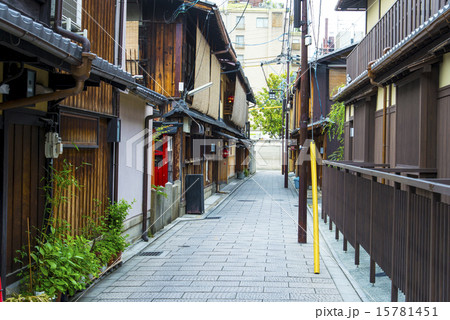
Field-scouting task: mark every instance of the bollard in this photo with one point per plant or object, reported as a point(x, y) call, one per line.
point(315, 207)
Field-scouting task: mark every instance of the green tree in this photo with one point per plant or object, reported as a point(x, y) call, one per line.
point(267, 115)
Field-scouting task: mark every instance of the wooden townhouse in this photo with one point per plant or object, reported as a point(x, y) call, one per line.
point(182, 47)
point(62, 92)
point(328, 73)
point(391, 194)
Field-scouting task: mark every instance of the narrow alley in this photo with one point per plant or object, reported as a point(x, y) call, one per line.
point(244, 250)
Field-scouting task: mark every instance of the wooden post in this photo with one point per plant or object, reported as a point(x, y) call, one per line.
point(358, 175)
point(394, 288)
point(372, 262)
point(410, 190)
point(304, 91)
point(435, 198)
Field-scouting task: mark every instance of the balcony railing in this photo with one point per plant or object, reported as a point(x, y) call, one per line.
point(401, 19)
point(403, 223)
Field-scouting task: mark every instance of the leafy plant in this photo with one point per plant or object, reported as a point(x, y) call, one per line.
point(246, 172)
point(335, 129)
point(28, 298)
point(159, 190)
point(61, 263)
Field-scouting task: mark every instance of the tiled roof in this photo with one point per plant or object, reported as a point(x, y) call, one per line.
point(63, 48)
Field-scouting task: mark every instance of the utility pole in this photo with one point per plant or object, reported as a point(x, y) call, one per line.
point(304, 103)
point(286, 103)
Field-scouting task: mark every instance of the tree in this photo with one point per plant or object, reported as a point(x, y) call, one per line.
point(267, 116)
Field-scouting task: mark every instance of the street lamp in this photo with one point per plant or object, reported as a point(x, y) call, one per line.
point(272, 95)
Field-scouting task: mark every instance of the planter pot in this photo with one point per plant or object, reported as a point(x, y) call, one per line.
point(240, 175)
point(115, 259)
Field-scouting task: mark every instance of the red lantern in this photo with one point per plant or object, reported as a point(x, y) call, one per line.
point(225, 153)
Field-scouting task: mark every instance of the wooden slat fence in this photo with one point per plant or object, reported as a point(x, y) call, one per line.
point(402, 224)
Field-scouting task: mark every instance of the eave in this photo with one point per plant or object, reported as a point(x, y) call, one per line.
point(428, 38)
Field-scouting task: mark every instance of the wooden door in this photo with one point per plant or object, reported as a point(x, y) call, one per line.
point(23, 182)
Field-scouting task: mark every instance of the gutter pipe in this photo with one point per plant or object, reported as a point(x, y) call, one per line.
point(66, 33)
point(80, 73)
point(145, 182)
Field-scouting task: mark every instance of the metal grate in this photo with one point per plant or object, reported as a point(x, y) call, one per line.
point(212, 218)
point(150, 253)
point(246, 200)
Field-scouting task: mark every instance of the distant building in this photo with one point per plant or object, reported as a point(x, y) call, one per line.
point(257, 37)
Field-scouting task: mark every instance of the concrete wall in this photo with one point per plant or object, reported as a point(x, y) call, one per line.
point(133, 111)
point(268, 155)
point(266, 49)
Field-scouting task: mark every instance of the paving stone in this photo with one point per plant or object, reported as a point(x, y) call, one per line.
point(113, 295)
point(171, 288)
point(195, 278)
point(250, 254)
point(211, 295)
point(238, 289)
point(262, 295)
point(137, 289)
point(216, 283)
point(156, 295)
point(127, 283)
point(263, 284)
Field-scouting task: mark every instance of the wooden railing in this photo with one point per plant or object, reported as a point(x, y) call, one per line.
point(403, 225)
point(401, 19)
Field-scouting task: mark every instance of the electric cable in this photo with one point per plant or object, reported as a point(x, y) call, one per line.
point(239, 20)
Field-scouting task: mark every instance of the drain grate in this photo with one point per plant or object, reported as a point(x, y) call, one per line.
point(212, 218)
point(241, 200)
point(150, 254)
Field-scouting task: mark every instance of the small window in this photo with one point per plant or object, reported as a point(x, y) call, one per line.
point(296, 44)
point(240, 22)
point(79, 131)
point(239, 41)
point(262, 22)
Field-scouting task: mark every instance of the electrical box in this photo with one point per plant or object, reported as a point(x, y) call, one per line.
point(113, 131)
point(23, 86)
point(195, 196)
point(53, 145)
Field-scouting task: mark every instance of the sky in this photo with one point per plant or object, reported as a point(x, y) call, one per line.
point(337, 21)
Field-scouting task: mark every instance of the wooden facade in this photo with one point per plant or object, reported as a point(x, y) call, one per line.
point(327, 75)
point(82, 121)
point(171, 62)
point(391, 195)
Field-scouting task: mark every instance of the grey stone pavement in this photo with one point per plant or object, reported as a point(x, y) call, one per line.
point(244, 250)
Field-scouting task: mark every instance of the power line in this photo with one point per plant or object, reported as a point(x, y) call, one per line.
point(237, 23)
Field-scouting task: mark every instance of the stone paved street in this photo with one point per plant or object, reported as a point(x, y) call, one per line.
point(244, 250)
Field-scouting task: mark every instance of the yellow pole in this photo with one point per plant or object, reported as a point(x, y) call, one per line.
point(315, 207)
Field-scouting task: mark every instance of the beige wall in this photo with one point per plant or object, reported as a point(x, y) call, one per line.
point(372, 15)
point(444, 71)
point(386, 5)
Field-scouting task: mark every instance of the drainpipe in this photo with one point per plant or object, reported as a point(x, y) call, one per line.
point(66, 33)
point(145, 186)
point(80, 74)
point(371, 76)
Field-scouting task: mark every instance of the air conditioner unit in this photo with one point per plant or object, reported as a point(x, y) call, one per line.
point(71, 15)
